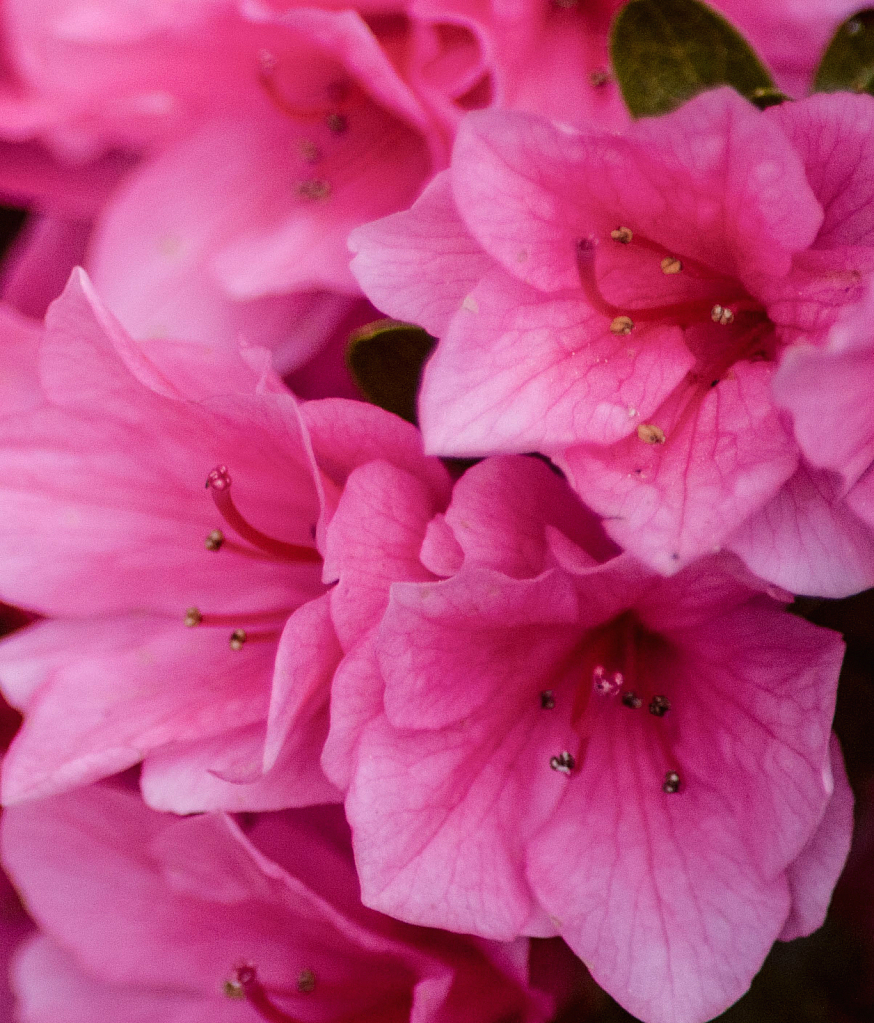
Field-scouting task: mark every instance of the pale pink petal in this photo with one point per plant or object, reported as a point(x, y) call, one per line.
point(808, 539)
point(419, 265)
point(179, 684)
point(726, 453)
point(519, 371)
point(813, 876)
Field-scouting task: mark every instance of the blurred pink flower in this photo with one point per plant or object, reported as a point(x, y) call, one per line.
point(203, 920)
point(108, 531)
point(553, 739)
point(620, 303)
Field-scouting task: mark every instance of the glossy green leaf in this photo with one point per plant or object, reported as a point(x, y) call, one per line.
point(848, 62)
point(386, 358)
point(664, 52)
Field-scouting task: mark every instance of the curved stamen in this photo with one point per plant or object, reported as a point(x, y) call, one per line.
point(219, 483)
point(246, 982)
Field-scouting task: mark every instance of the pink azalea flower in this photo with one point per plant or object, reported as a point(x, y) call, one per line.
point(553, 739)
point(188, 921)
point(109, 533)
point(620, 303)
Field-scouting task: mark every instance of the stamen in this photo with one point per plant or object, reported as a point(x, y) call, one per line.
point(314, 189)
point(193, 617)
point(338, 124)
point(631, 700)
point(659, 706)
point(547, 699)
point(623, 235)
point(245, 984)
point(599, 78)
point(721, 315)
point(622, 325)
point(650, 434)
point(237, 639)
point(219, 483)
point(671, 265)
point(672, 783)
point(607, 685)
point(564, 763)
point(309, 151)
point(306, 981)
point(215, 540)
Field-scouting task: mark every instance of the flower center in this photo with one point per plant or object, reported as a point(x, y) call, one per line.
point(735, 326)
point(617, 664)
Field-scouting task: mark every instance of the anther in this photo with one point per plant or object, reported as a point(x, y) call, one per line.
point(631, 700)
point(671, 265)
point(659, 706)
point(215, 540)
point(622, 235)
point(237, 639)
point(309, 151)
point(547, 699)
point(599, 78)
point(622, 325)
point(193, 617)
point(671, 784)
point(306, 981)
point(338, 124)
point(607, 685)
point(233, 989)
point(314, 189)
point(650, 434)
point(722, 315)
point(564, 763)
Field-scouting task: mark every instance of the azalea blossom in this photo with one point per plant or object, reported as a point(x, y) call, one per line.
point(620, 304)
point(186, 627)
point(547, 737)
point(143, 915)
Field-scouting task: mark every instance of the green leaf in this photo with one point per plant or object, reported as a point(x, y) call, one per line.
point(848, 62)
point(664, 52)
point(386, 358)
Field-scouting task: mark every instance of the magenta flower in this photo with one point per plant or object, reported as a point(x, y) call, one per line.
point(620, 304)
point(149, 917)
point(552, 739)
point(188, 628)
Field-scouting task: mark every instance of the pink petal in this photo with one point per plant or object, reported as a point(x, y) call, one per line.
point(722, 460)
point(519, 371)
point(807, 539)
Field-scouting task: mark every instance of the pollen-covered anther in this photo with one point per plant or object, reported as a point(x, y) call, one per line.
point(564, 763)
point(622, 325)
point(631, 700)
point(672, 783)
point(215, 540)
point(650, 434)
point(659, 706)
point(607, 684)
point(671, 265)
point(233, 989)
point(306, 981)
point(314, 189)
point(237, 639)
point(722, 315)
point(193, 617)
point(547, 699)
point(623, 235)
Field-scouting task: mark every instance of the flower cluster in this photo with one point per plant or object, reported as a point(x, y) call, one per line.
point(320, 717)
